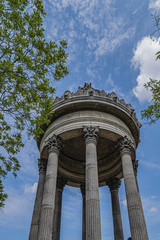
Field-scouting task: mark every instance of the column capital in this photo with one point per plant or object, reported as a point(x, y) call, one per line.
point(125, 145)
point(90, 134)
point(135, 166)
point(60, 183)
point(54, 144)
point(114, 183)
point(82, 188)
point(42, 164)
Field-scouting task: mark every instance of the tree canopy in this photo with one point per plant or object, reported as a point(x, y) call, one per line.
point(152, 113)
point(28, 65)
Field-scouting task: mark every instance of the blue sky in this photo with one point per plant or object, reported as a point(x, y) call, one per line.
point(108, 45)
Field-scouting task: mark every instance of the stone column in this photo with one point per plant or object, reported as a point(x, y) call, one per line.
point(84, 212)
point(93, 223)
point(114, 184)
point(48, 203)
point(135, 210)
point(135, 168)
point(33, 235)
point(57, 210)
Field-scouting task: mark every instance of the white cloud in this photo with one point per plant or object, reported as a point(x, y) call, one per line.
point(153, 209)
point(108, 43)
point(72, 206)
point(124, 203)
point(18, 209)
point(31, 189)
point(155, 166)
point(112, 87)
point(91, 26)
point(154, 4)
point(150, 204)
point(144, 60)
point(28, 158)
point(73, 87)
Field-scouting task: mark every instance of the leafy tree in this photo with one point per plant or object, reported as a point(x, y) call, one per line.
point(152, 113)
point(28, 62)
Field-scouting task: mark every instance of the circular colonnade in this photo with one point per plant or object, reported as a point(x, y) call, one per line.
point(91, 141)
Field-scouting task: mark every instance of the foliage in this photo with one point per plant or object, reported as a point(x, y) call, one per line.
point(152, 113)
point(157, 31)
point(27, 64)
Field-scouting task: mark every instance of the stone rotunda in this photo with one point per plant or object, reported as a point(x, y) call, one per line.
point(90, 142)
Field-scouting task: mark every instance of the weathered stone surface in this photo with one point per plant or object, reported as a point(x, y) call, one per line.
point(82, 187)
point(114, 184)
point(135, 210)
point(71, 159)
point(135, 166)
point(87, 90)
point(93, 222)
point(48, 202)
point(42, 163)
point(90, 162)
point(57, 210)
point(90, 133)
point(54, 143)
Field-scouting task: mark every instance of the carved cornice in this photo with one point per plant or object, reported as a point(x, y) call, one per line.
point(54, 144)
point(88, 91)
point(90, 133)
point(125, 145)
point(114, 183)
point(42, 165)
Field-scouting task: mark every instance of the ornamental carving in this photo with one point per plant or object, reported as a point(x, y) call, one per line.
point(135, 166)
point(54, 143)
point(88, 91)
point(125, 144)
point(90, 132)
point(114, 183)
point(60, 183)
point(42, 164)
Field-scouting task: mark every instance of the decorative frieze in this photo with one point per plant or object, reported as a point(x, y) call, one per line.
point(89, 91)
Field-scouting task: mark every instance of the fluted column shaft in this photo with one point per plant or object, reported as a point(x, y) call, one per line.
point(84, 212)
point(93, 223)
point(135, 167)
point(38, 200)
point(135, 210)
point(48, 202)
point(57, 211)
point(116, 212)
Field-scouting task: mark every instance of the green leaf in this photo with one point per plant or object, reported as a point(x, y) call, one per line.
point(28, 66)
